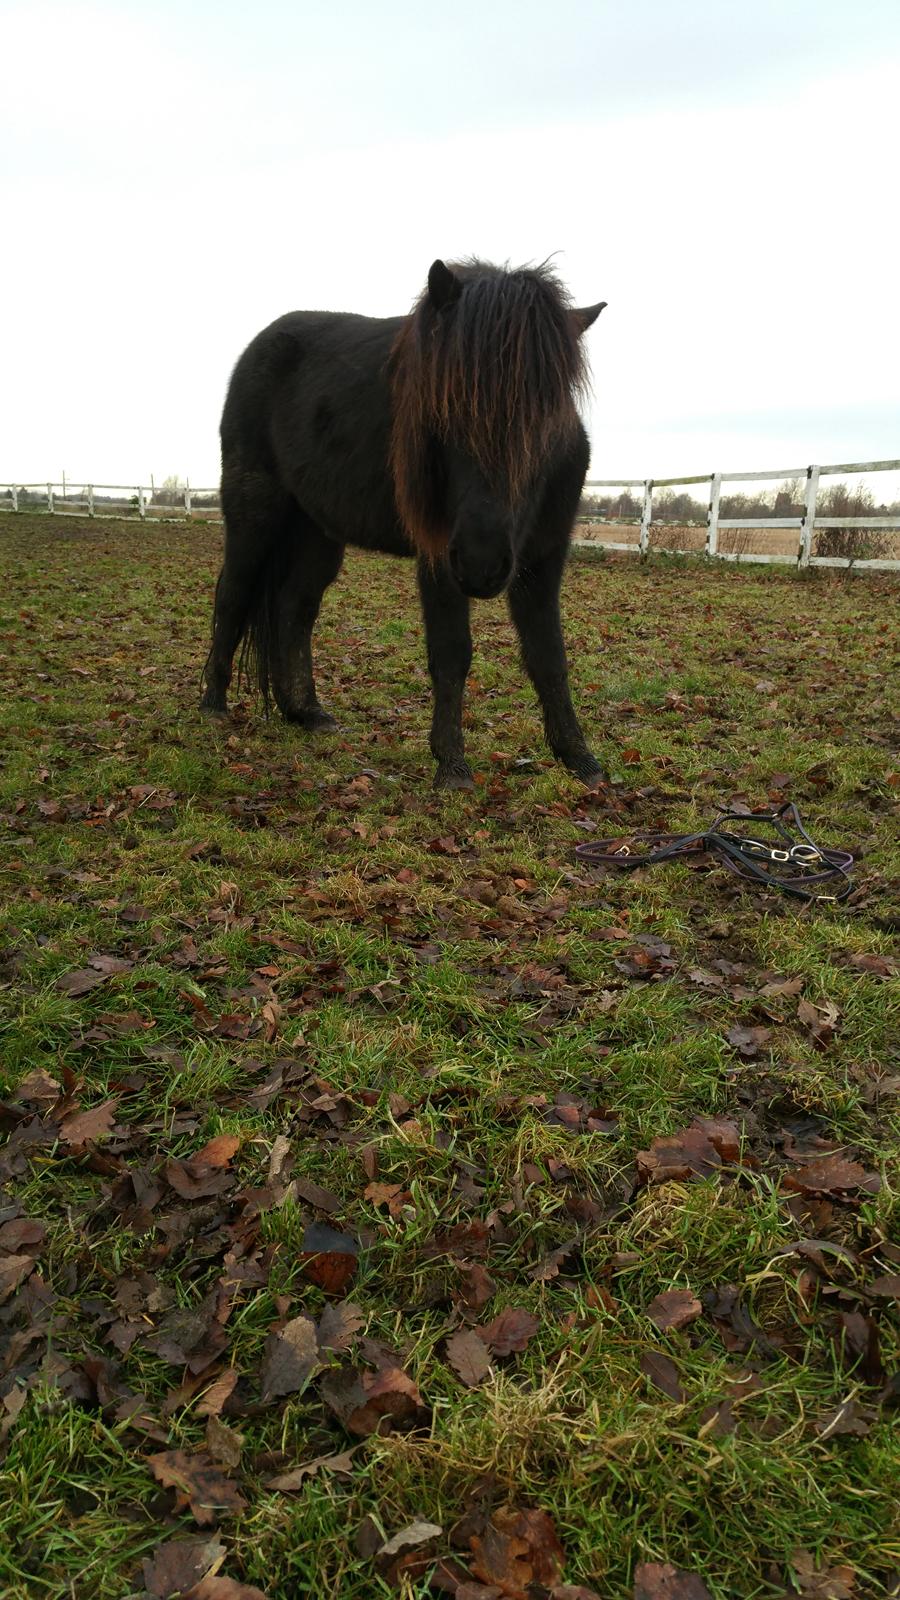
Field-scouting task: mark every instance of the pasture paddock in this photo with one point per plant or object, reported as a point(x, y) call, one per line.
point(476, 1039)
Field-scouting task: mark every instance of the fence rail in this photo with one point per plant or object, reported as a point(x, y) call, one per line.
point(73, 499)
point(114, 499)
point(807, 524)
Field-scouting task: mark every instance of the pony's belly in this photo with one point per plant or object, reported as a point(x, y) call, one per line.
point(361, 524)
point(389, 540)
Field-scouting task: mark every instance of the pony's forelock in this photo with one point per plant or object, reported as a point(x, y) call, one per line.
point(497, 372)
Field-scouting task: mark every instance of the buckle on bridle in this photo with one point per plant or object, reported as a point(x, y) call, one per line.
point(744, 842)
point(806, 854)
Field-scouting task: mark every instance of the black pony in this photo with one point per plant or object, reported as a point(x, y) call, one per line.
point(452, 435)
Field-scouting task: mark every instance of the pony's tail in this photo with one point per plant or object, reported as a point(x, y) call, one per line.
point(258, 639)
point(206, 669)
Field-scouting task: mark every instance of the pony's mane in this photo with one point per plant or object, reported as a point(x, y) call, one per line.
point(497, 372)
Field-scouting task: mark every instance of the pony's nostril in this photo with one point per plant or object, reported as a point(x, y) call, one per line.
point(480, 573)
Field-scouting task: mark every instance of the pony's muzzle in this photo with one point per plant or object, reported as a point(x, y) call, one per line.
point(481, 579)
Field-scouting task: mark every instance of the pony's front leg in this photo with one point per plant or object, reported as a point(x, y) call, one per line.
point(534, 606)
point(446, 613)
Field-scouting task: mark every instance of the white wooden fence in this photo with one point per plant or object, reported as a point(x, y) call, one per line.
point(95, 500)
point(108, 500)
point(806, 525)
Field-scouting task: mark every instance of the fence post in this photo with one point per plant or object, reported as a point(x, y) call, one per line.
point(15, 497)
point(90, 499)
point(808, 525)
point(646, 519)
point(712, 516)
point(49, 497)
point(142, 509)
point(187, 500)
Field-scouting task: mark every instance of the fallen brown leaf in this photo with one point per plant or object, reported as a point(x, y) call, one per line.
point(287, 1482)
point(858, 1335)
point(509, 1331)
point(21, 1231)
point(822, 1583)
point(213, 1399)
point(38, 1086)
point(217, 1153)
point(223, 1443)
point(820, 1020)
point(663, 1374)
point(75, 984)
point(290, 1359)
point(375, 1402)
point(14, 1269)
point(178, 1563)
point(847, 1418)
point(198, 1483)
point(409, 1538)
point(886, 1287)
point(477, 1285)
point(329, 1258)
point(109, 965)
point(748, 1041)
point(654, 1580)
point(831, 1174)
point(199, 1183)
point(339, 1325)
point(468, 1356)
point(386, 1194)
point(221, 1588)
point(315, 1195)
point(878, 966)
point(733, 1321)
point(516, 1550)
point(87, 1126)
point(703, 1148)
point(674, 1308)
point(781, 986)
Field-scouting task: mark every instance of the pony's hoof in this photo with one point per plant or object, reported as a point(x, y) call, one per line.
point(314, 721)
point(320, 722)
point(594, 781)
point(453, 778)
point(587, 769)
point(212, 708)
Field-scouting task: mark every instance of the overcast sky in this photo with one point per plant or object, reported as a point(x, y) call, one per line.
point(172, 177)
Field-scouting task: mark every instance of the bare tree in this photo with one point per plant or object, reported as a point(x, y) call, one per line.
point(854, 544)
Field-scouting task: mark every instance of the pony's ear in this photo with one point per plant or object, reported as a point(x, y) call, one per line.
point(586, 316)
point(443, 285)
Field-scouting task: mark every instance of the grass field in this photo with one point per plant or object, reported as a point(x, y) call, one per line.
point(332, 1104)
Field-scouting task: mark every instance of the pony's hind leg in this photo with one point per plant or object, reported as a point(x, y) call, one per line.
point(254, 510)
point(315, 563)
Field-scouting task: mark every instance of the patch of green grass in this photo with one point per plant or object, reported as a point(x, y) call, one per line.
point(444, 964)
